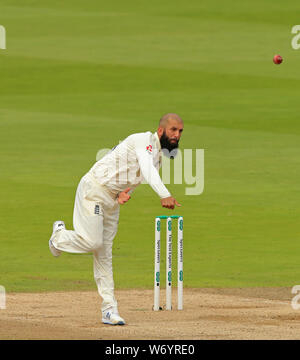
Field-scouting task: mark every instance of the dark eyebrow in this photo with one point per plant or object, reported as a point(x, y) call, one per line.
point(175, 128)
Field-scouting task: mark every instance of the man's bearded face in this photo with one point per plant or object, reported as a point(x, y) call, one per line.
point(169, 145)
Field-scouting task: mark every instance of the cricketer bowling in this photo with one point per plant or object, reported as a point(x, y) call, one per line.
point(101, 191)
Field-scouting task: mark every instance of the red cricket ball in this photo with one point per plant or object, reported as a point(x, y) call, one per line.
point(277, 59)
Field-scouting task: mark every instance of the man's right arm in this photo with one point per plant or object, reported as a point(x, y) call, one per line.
point(144, 154)
point(151, 174)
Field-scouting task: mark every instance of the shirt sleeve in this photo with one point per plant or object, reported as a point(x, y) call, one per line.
point(145, 151)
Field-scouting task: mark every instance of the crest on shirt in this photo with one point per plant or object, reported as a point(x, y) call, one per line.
point(97, 210)
point(149, 149)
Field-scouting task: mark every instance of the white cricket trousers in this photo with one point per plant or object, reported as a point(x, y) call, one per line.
point(95, 221)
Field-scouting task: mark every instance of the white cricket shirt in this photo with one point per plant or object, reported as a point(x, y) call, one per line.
point(135, 159)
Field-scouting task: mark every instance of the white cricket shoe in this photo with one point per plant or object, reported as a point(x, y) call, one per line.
point(57, 226)
point(111, 317)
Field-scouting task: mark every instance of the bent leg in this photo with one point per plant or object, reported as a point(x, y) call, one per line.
point(88, 225)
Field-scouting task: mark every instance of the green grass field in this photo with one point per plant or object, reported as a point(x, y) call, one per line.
point(79, 76)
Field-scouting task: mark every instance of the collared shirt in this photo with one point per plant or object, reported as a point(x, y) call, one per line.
point(135, 160)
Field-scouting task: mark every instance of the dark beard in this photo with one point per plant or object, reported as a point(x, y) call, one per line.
point(169, 149)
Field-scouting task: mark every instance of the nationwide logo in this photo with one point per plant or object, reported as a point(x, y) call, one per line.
point(157, 276)
point(2, 37)
point(2, 298)
point(181, 225)
point(181, 275)
point(158, 226)
point(149, 149)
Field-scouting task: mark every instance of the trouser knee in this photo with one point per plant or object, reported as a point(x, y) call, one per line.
point(96, 243)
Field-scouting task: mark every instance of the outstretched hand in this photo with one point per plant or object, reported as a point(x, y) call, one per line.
point(124, 196)
point(169, 202)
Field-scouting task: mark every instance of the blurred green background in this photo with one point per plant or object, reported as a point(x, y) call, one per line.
point(80, 76)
